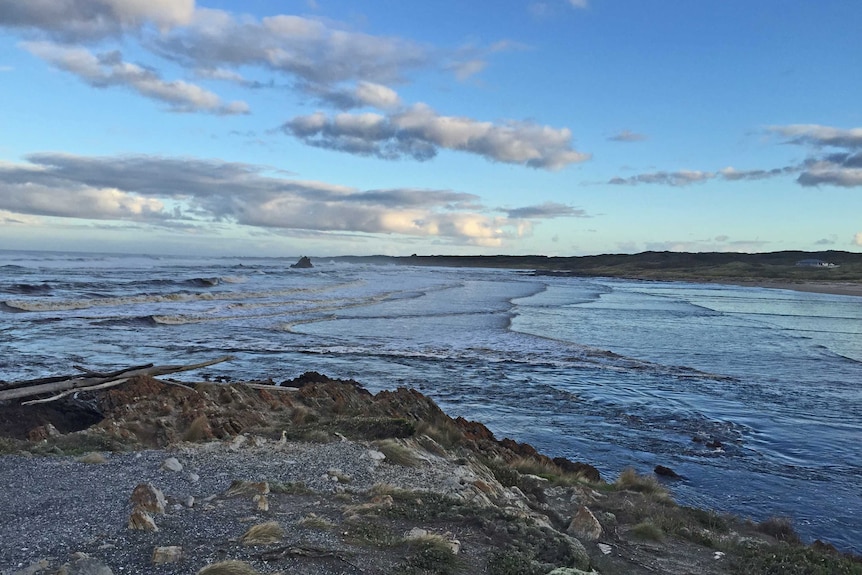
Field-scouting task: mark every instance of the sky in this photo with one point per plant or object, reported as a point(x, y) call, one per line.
point(327, 127)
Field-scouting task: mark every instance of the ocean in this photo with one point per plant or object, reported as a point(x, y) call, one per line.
point(753, 395)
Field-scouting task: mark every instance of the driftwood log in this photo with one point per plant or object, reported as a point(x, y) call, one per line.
point(62, 386)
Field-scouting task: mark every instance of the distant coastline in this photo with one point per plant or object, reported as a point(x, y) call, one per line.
point(774, 270)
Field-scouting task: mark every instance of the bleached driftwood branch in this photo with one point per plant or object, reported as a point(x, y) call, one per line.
point(93, 380)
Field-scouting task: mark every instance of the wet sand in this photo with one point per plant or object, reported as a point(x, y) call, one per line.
point(833, 288)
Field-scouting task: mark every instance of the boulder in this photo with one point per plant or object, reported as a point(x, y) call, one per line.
point(584, 525)
point(147, 497)
point(666, 472)
point(85, 566)
point(172, 464)
point(162, 555)
point(140, 520)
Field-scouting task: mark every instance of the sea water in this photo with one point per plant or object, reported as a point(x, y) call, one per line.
point(753, 395)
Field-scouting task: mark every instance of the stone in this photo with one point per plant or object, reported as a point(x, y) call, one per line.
point(194, 477)
point(140, 520)
point(172, 464)
point(584, 525)
point(42, 432)
point(148, 497)
point(605, 548)
point(666, 472)
point(570, 571)
point(262, 502)
point(85, 566)
point(375, 455)
point(33, 568)
point(162, 555)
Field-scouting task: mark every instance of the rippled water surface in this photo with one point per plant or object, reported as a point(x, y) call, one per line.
point(615, 373)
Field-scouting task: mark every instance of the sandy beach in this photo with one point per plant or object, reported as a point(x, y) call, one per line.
point(833, 288)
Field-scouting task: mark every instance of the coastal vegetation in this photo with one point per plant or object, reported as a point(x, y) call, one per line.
point(670, 266)
point(514, 510)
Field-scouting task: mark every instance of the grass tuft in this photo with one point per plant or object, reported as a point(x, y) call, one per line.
point(267, 533)
point(397, 454)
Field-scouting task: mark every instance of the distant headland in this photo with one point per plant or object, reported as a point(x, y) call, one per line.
point(841, 272)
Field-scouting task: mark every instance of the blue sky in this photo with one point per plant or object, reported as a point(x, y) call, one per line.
point(559, 127)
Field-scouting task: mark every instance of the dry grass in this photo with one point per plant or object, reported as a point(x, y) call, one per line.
point(648, 530)
point(267, 533)
point(397, 454)
point(314, 521)
point(630, 480)
point(781, 528)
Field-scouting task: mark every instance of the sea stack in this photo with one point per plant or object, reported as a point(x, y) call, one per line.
point(303, 262)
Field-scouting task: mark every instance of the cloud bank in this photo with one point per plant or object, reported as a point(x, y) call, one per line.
point(189, 191)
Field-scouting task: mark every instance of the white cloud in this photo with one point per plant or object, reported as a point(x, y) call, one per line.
point(73, 20)
point(109, 70)
point(857, 239)
point(678, 178)
point(627, 136)
point(377, 95)
point(578, 3)
point(419, 132)
point(141, 189)
point(315, 53)
point(818, 135)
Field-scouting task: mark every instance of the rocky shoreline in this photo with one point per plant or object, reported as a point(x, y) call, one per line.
point(320, 476)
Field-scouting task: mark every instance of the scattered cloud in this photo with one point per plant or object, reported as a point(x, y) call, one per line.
point(627, 136)
point(6, 68)
point(819, 136)
point(857, 239)
point(308, 50)
point(171, 192)
point(546, 210)
point(419, 132)
point(578, 3)
point(363, 95)
point(678, 178)
point(81, 20)
point(842, 169)
point(732, 174)
point(825, 242)
point(688, 177)
point(108, 69)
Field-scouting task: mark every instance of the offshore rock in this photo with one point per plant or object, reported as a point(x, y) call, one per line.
point(303, 263)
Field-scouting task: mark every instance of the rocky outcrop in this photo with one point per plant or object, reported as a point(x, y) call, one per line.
point(303, 263)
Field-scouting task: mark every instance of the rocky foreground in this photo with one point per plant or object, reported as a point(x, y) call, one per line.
point(319, 476)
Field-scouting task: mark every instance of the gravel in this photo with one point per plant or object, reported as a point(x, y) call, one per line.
point(53, 507)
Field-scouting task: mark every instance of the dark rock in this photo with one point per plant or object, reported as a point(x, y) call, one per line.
point(714, 444)
point(303, 263)
point(667, 472)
